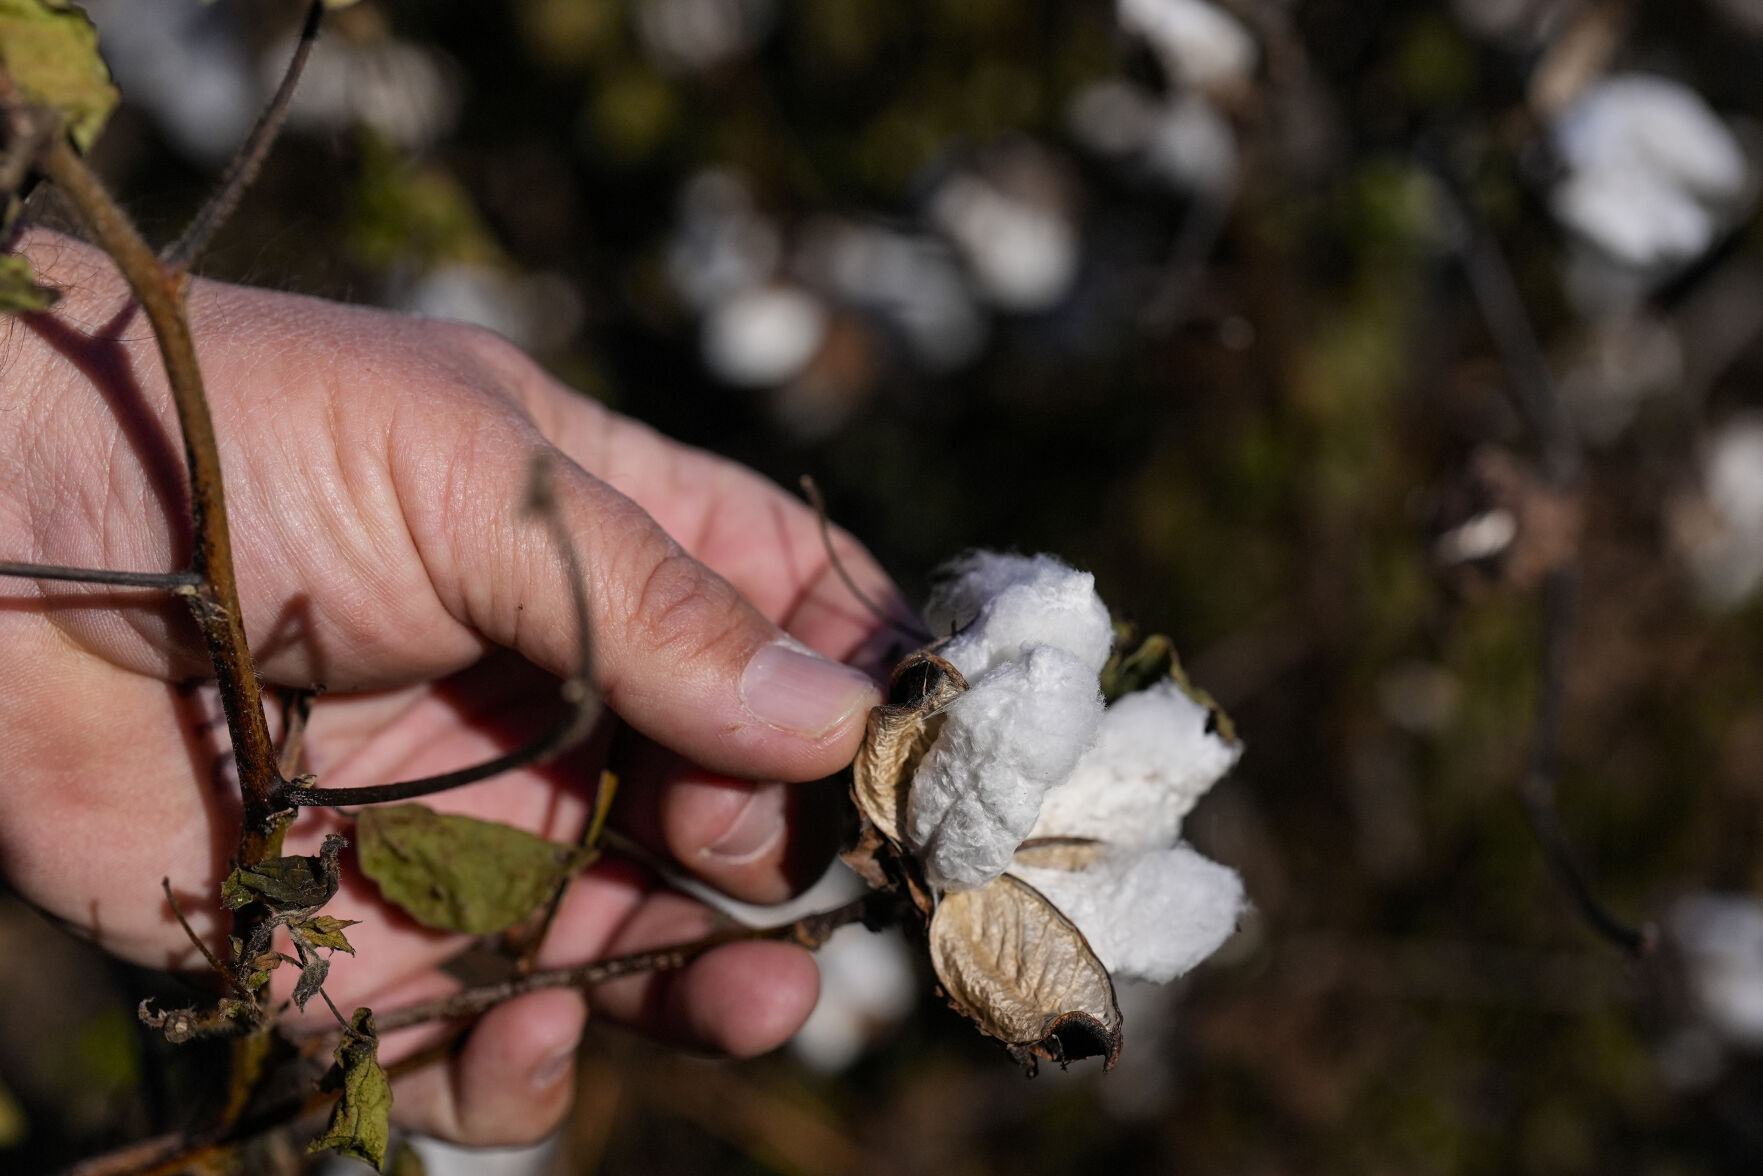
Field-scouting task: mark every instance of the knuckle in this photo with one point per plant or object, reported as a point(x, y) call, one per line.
point(683, 609)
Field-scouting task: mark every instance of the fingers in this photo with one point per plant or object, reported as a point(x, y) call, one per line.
point(678, 651)
point(510, 1081)
point(743, 999)
point(759, 842)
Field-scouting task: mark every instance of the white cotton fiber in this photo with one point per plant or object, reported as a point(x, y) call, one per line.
point(1154, 758)
point(1019, 730)
point(996, 604)
point(1151, 916)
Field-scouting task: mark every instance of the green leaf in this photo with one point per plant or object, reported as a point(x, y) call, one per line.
point(19, 292)
point(360, 1123)
point(51, 51)
point(286, 883)
point(457, 873)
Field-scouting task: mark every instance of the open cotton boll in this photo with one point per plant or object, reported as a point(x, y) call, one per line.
point(1154, 758)
point(1019, 730)
point(1654, 125)
point(1000, 603)
point(1151, 916)
point(1634, 216)
point(1198, 43)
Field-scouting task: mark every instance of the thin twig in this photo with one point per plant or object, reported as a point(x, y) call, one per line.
point(161, 291)
point(1543, 769)
point(1502, 309)
point(164, 581)
point(249, 160)
point(296, 711)
point(225, 973)
point(577, 691)
point(810, 932)
point(815, 500)
point(595, 825)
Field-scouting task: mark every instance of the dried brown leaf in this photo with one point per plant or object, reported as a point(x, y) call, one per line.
point(899, 733)
point(1025, 975)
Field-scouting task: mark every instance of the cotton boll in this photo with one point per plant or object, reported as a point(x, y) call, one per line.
point(1653, 125)
point(534, 311)
point(866, 987)
point(1023, 253)
point(1197, 42)
point(721, 243)
point(1721, 938)
point(1018, 730)
point(1191, 146)
point(1634, 216)
point(999, 603)
point(1720, 533)
point(410, 94)
point(1153, 760)
point(1111, 117)
point(763, 336)
point(1150, 916)
point(688, 36)
point(914, 284)
point(1653, 173)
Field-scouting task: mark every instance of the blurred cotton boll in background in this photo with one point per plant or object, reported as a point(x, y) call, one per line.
point(867, 987)
point(1652, 175)
point(721, 243)
point(1010, 219)
point(1519, 24)
point(763, 335)
point(1198, 44)
point(1720, 532)
point(184, 63)
point(689, 36)
point(409, 93)
point(1183, 142)
point(912, 283)
point(1720, 937)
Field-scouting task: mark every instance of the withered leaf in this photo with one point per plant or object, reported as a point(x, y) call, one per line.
point(457, 873)
point(50, 50)
point(360, 1123)
point(899, 733)
point(19, 291)
point(1025, 975)
point(323, 931)
point(287, 883)
point(1130, 670)
point(312, 976)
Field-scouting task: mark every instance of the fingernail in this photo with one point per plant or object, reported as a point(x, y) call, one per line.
point(755, 828)
point(551, 1071)
point(792, 688)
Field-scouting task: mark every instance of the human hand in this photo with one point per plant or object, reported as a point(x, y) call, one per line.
point(375, 464)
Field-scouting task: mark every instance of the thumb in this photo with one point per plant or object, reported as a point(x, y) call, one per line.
point(678, 652)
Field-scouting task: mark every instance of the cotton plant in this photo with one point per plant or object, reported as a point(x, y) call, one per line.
point(1025, 786)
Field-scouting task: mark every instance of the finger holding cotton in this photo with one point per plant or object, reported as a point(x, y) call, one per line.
point(996, 604)
point(1019, 730)
point(1149, 916)
point(1156, 754)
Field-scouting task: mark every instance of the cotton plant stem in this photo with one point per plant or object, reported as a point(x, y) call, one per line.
point(161, 290)
point(810, 932)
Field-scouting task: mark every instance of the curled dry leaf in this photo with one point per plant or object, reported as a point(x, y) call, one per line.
point(1024, 973)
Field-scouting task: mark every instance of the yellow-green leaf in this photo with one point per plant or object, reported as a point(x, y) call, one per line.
point(323, 931)
point(51, 51)
point(360, 1123)
point(19, 292)
point(457, 873)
